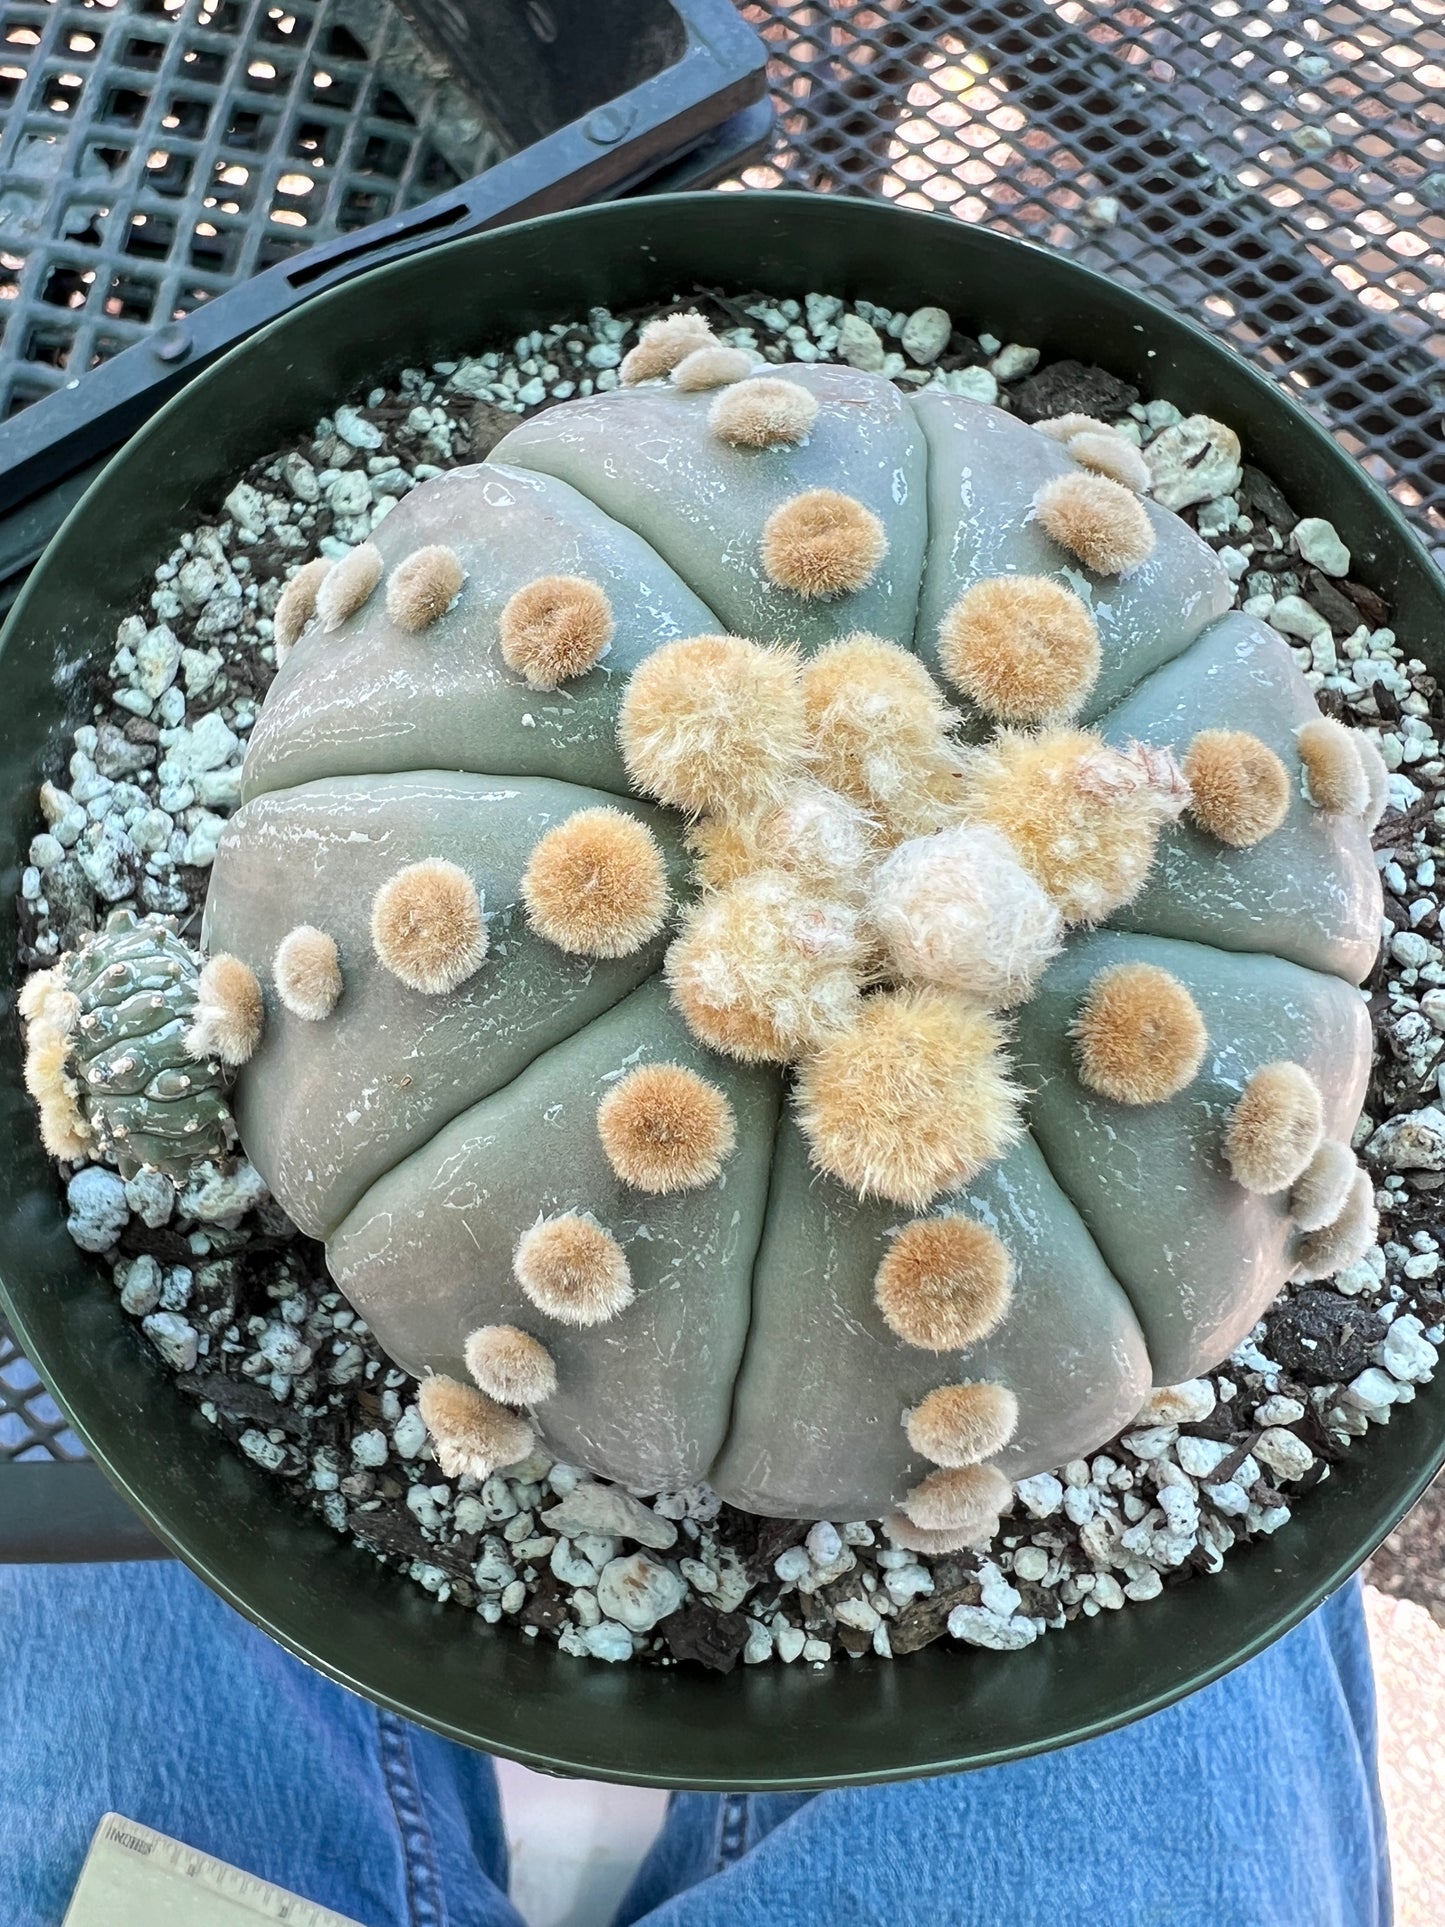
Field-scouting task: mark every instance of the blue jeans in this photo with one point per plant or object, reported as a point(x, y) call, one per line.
point(1252, 1804)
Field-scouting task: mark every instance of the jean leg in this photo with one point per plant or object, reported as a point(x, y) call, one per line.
point(134, 1688)
point(1253, 1803)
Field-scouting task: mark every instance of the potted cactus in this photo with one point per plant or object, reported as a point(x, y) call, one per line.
point(782, 933)
point(870, 861)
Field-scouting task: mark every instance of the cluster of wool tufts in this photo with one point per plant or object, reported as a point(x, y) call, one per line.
point(912, 1099)
point(1082, 817)
point(1099, 448)
point(50, 1012)
point(1346, 1238)
point(958, 909)
point(821, 839)
point(878, 732)
point(951, 1509)
point(665, 344)
point(714, 725)
point(765, 971)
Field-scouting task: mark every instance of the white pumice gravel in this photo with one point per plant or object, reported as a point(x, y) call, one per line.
point(240, 1307)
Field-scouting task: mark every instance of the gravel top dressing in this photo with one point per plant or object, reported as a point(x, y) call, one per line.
point(239, 1305)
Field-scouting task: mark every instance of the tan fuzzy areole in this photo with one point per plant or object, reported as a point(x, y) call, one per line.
point(347, 585)
point(944, 1284)
point(965, 1499)
point(596, 884)
point(1338, 781)
point(900, 1531)
point(307, 972)
point(666, 1129)
point(713, 365)
point(763, 971)
point(958, 909)
point(823, 543)
point(814, 834)
point(554, 629)
point(230, 1011)
point(45, 1075)
point(423, 587)
point(1023, 647)
point(1346, 1239)
point(1099, 521)
point(472, 1434)
point(1323, 1188)
point(913, 1098)
point(49, 1013)
point(510, 1365)
point(296, 606)
point(573, 1270)
point(427, 928)
point(1063, 428)
point(663, 344)
point(1138, 1036)
point(1275, 1129)
point(1241, 789)
point(878, 728)
point(714, 724)
point(1377, 778)
point(1113, 455)
point(1083, 817)
point(962, 1424)
point(764, 411)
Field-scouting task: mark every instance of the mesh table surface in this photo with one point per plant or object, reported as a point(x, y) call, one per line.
point(1275, 168)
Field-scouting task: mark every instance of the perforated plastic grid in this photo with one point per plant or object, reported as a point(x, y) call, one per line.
point(152, 152)
point(1275, 168)
point(31, 1425)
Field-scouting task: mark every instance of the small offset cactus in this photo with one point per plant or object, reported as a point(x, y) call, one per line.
point(108, 1051)
point(710, 1050)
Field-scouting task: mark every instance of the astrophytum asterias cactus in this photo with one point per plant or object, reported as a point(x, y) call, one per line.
point(113, 1057)
point(830, 951)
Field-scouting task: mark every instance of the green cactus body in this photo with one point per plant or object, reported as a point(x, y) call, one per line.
point(421, 1136)
point(146, 1100)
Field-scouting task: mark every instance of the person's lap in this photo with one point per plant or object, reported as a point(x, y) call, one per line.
point(132, 1688)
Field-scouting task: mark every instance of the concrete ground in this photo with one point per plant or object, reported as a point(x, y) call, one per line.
point(1405, 1600)
point(1409, 1651)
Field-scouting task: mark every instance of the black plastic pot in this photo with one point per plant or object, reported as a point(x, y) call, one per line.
point(767, 1727)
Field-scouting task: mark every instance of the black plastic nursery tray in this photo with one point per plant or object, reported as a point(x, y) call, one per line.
point(174, 174)
point(940, 1709)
